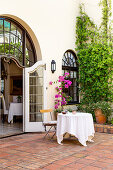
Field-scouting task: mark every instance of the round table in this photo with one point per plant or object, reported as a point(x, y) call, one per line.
point(79, 124)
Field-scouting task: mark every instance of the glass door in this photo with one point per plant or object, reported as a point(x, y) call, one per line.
point(34, 97)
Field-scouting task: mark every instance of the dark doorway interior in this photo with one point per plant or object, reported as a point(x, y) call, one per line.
point(11, 98)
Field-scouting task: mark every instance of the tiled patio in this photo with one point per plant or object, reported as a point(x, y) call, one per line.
point(30, 151)
point(8, 129)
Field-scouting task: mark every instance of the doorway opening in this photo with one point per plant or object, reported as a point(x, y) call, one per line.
point(19, 52)
point(11, 98)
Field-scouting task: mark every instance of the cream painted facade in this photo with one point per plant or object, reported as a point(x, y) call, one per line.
point(51, 24)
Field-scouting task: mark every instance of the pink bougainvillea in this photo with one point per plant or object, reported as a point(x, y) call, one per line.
point(66, 86)
point(50, 82)
point(61, 78)
point(60, 98)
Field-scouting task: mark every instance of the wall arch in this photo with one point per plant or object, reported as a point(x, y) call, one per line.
point(25, 26)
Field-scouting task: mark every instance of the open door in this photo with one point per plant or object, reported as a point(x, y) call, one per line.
point(34, 97)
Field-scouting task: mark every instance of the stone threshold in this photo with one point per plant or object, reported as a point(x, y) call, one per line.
point(103, 128)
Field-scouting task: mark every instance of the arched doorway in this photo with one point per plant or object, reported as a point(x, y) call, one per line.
point(17, 52)
point(15, 42)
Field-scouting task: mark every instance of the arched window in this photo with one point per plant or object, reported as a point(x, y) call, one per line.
point(69, 64)
point(16, 43)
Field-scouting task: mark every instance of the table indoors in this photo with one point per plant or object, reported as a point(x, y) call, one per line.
point(78, 124)
point(15, 109)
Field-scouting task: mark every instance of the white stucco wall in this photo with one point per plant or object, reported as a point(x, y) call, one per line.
point(93, 10)
point(53, 22)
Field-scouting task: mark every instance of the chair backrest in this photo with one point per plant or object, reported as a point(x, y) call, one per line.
point(47, 111)
point(3, 103)
point(15, 99)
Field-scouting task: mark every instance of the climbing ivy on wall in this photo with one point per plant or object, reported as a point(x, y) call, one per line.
point(95, 56)
point(106, 14)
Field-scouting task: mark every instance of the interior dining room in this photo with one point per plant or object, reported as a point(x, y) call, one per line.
point(11, 96)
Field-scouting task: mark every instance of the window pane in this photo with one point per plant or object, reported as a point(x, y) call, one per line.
point(16, 53)
point(29, 54)
point(1, 37)
point(1, 25)
point(71, 74)
point(34, 90)
point(69, 65)
point(29, 58)
point(6, 37)
point(12, 39)
point(19, 33)
point(6, 25)
point(11, 47)
point(1, 48)
point(75, 65)
point(36, 95)
point(20, 57)
point(6, 48)
point(13, 29)
point(18, 46)
point(75, 74)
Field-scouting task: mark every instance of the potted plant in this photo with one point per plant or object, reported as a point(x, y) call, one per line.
point(19, 99)
point(102, 111)
point(56, 111)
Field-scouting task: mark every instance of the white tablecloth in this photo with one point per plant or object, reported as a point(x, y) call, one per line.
point(80, 125)
point(15, 109)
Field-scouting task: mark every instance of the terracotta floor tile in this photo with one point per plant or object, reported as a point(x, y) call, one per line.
point(107, 160)
point(78, 155)
point(91, 157)
point(68, 168)
point(71, 159)
point(62, 162)
point(86, 161)
point(109, 167)
point(91, 168)
point(4, 155)
point(30, 151)
point(76, 165)
point(100, 164)
point(53, 166)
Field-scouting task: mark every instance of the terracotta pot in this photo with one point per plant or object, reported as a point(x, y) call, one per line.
point(100, 118)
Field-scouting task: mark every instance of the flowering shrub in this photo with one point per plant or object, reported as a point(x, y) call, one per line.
point(61, 98)
point(91, 107)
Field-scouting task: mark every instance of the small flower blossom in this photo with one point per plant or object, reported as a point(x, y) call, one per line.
point(63, 103)
point(66, 74)
point(56, 106)
point(61, 78)
point(69, 83)
point(65, 81)
point(56, 96)
point(64, 99)
point(66, 86)
point(60, 95)
point(50, 82)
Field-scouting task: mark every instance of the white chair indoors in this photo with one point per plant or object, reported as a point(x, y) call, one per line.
point(5, 112)
point(51, 124)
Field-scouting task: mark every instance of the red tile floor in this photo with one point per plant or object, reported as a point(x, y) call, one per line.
point(31, 151)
